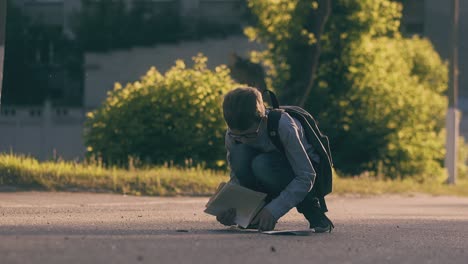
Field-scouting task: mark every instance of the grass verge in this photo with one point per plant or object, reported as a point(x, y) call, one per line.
point(28, 173)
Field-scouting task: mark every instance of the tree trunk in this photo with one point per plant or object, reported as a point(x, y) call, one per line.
point(304, 58)
point(323, 13)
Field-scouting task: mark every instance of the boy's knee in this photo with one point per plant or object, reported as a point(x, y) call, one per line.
point(260, 167)
point(241, 157)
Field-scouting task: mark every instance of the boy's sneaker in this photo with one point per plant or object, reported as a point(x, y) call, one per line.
point(320, 222)
point(250, 226)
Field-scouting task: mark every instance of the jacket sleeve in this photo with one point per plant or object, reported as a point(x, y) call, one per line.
point(290, 132)
point(228, 141)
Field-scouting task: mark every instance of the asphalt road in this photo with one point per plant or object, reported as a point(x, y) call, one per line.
point(38, 227)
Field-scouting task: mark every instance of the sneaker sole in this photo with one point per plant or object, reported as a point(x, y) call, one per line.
point(323, 229)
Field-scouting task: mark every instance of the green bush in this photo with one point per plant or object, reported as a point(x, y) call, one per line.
point(389, 117)
point(175, 117)
point(462, 168)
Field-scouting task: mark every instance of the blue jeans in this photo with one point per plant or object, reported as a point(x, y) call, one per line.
point(269, 173)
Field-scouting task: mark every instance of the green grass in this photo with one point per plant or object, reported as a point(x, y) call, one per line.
point(370, 186)
point(28, 173)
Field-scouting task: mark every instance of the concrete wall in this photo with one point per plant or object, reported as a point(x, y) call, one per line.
point(42, 132)
point(104, 69)
point(24, 130)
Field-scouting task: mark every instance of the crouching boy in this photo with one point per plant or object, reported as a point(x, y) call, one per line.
point(287, 176)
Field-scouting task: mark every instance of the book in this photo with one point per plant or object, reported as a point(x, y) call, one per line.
point(297, 232)
point(230, 195)
point(306, 232)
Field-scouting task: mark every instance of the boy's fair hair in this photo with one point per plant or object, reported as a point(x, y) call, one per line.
point(242, 107)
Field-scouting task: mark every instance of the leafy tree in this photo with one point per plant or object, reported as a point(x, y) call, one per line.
point(39, 61)
point(388, 117)
point(290, 29)
point(379, 96)
point(162, 118)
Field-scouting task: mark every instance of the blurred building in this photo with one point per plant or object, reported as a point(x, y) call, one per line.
point(432, 19)
point(54, 127)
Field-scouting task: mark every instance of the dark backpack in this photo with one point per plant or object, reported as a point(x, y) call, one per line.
point(320, 143)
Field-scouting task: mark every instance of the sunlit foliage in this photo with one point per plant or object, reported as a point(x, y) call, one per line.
point(282, 26)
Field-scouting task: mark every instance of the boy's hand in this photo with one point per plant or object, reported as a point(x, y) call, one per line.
point(265, 220)
point(227, 218)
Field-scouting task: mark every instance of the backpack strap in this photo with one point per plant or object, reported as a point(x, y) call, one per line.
point(274, 100)
point(323, 204)
point(315, 189)
point(272, 125)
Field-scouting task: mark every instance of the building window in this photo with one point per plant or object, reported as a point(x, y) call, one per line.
point(8, 112)
point(413, 17)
